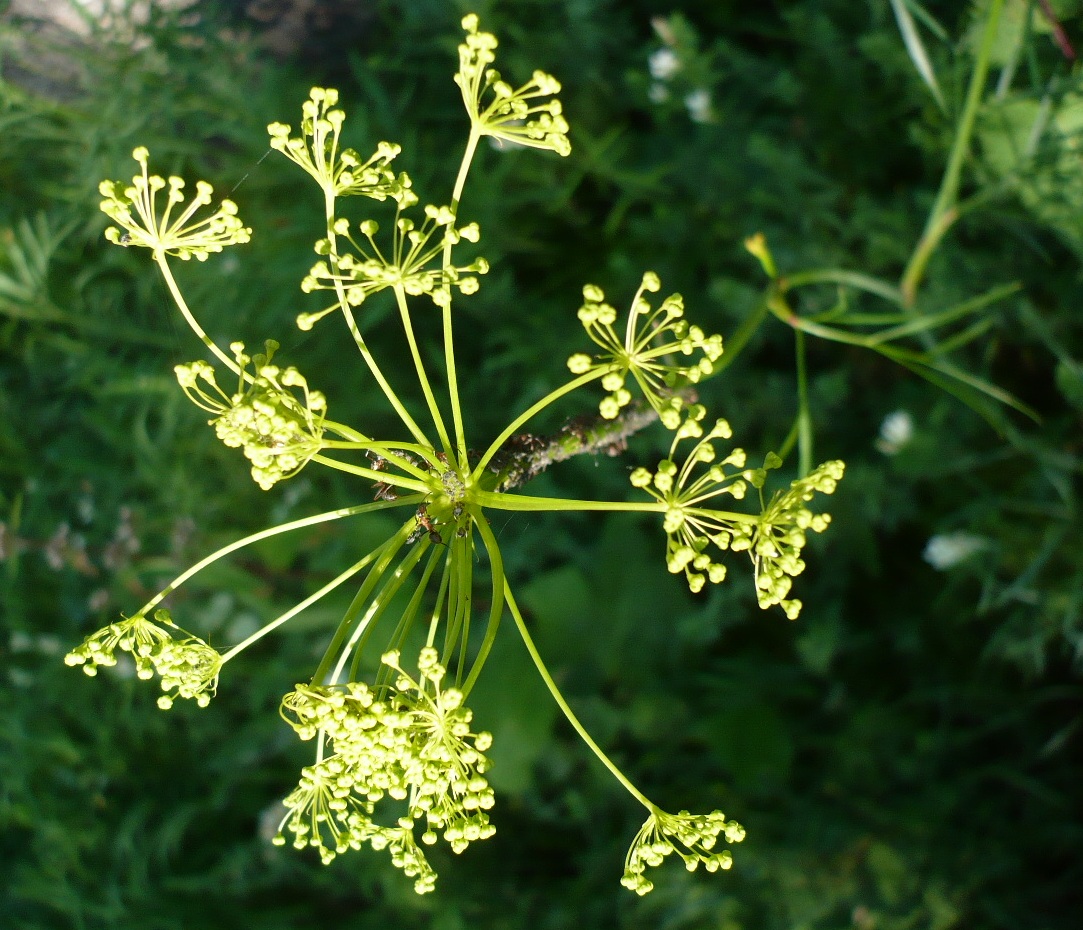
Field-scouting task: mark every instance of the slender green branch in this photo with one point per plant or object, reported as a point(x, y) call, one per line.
point(449, 333)
point(496, 609)
point(386, 553)
point(458, 621)
point(563, 704)
point(355, 332)
point(178, 298)
point(348, 432)
point(736, 343)
point(786, 447)
point(266, 534)
point(804, 415)
point(390, 452)
point(521, 502)
point(294, 611)
point(532, 411)
point(376, 608)
point(943, 212)
point(384, 477)
point(406, 621)
point(419, 367)
point(854, 279)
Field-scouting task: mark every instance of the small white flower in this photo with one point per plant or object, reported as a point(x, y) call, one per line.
point(698, 104)
point(947, 550)
point(895, 432)
point(663, 64)
point(658, 93)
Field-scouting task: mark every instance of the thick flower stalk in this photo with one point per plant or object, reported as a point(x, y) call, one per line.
point(516, 115)
point(650, 349)
point(278, 430)
point(338, 172)
point(187, 666)
point(693, 837)
point(412, 263)
point(142, 221)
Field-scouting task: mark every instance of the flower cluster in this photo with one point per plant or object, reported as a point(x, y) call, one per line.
point(164, 233)
point(188, 667)
point(685, 490)
point(412, 263)
point(652, 338)
point(410, 742)
point(339, 172)
point(513, 114)
point(278, 430)
point(774, 539)
point(692, 836)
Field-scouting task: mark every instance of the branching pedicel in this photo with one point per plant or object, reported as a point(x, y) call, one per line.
point(398, 763)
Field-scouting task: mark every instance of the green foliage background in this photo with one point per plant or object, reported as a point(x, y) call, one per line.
point(907, 755)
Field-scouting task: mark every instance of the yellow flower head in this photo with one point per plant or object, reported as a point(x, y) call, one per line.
point(516, 115)
point(142, 220)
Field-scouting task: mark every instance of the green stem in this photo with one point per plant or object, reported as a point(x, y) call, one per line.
point(419, 367)
point(387, 552)
point(532, 411)
point(355, 332)
point(737, 342)
point(449, 334)
point(347, 431)
point(385, 477)
point(496, 610)
point(441, 598)
point(522, 502)
point(307, 602)
point(854, 279)
point(563, 704)
point(388, 451)
point(943, 213)
point(171, 283)
point(499, 501)
point(376, 609)
point(458, 619)
point(266, 534)
point(804, 416)
point(778, 305)
point(791, 439)
point(406, 622)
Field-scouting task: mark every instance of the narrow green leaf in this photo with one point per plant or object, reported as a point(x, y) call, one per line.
point(916, 49)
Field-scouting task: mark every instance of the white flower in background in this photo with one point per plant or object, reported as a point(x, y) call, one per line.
point(895, 432)
point(663, 64)
point(658, 93)
point(698, 104)
point(946, 550)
